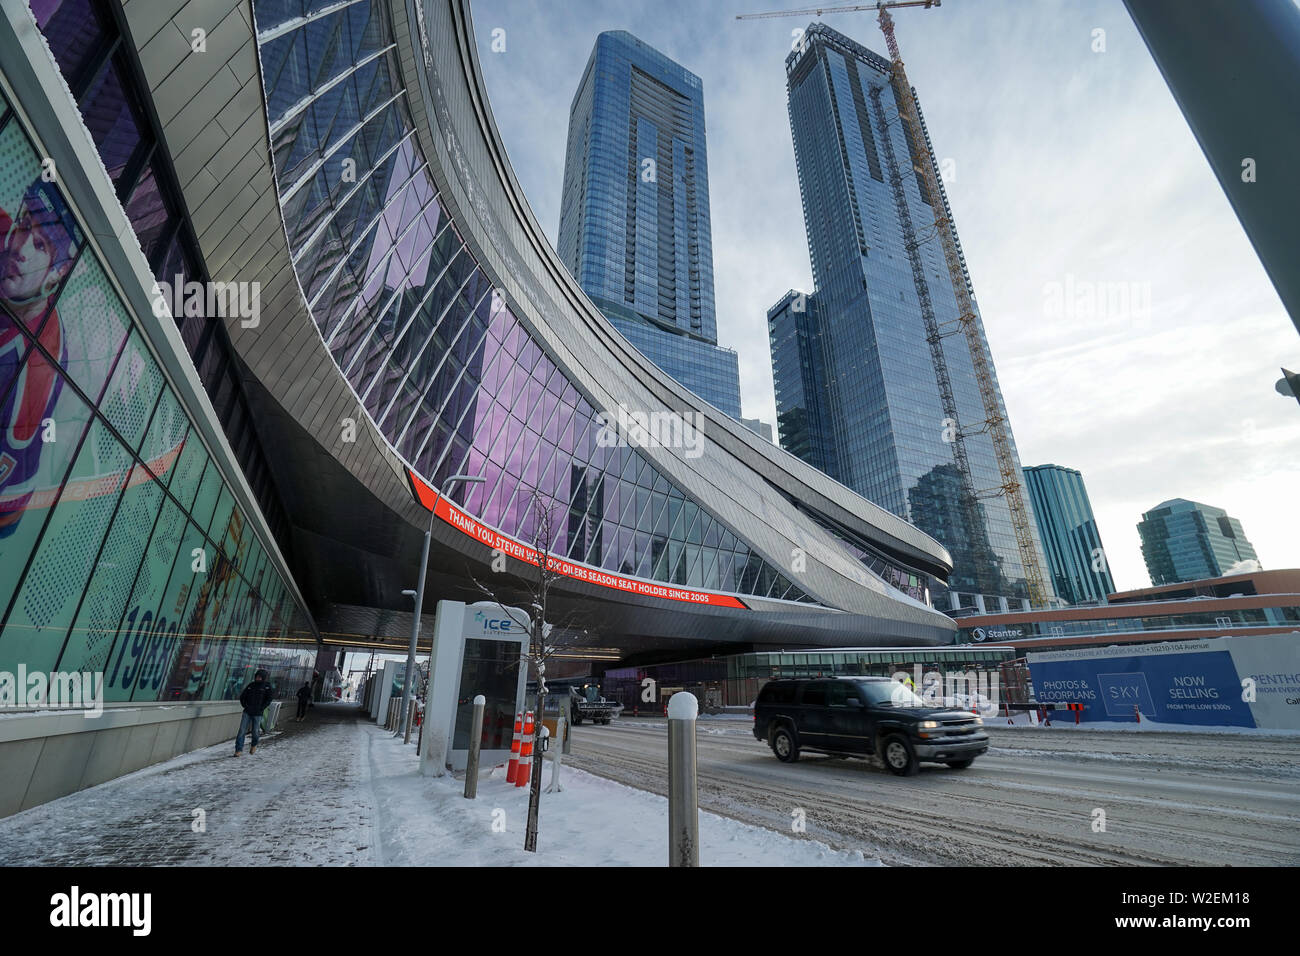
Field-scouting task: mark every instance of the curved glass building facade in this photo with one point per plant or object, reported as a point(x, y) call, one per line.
point(442, 365)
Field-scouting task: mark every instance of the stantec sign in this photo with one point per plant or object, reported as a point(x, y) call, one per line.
point(471, 526)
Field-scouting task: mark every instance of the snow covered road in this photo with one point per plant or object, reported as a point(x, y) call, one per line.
point(1168, 798)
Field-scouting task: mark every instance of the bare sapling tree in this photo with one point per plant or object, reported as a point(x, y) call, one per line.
point(535, 587)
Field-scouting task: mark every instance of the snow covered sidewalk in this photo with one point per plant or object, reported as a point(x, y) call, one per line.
point(339, 791)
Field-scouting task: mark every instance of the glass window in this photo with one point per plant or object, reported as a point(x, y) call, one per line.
point(206, 499)
point(113, 118)
point(94, 326)
point(165, 437)
point(44, 606)
point(132, 392)
point(73, 32)
point(814, 695)
point(114, 575)
point(30, 487)
point(149, 215)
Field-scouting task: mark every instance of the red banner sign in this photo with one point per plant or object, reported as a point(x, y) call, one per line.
point(471, 526)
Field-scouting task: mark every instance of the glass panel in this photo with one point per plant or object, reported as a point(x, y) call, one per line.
point(73, 32)
point(44, 605)
point(30, 486)
point(42, 238)
point(128, 403)
point(148, 213)
point(112, 118)
point(114, 575)
point(94, 326)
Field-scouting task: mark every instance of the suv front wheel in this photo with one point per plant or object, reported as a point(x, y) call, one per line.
point(783, 745)
point(899, 756)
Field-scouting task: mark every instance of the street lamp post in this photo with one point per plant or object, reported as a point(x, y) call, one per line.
point(418, 594)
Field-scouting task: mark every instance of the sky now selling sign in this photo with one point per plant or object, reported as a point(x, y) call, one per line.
point(55, 690)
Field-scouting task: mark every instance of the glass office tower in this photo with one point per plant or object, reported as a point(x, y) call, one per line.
point(803, 420)
point(1185, 541)
point(634, 218)
point(1069, 534)
point(885, 431)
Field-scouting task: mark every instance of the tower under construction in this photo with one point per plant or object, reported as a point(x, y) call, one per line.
point(894, 355)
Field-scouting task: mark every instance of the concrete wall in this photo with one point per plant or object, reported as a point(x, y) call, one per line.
point(48, 755)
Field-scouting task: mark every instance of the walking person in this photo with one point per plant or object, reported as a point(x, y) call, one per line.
point(256, 698)
point(304, 701)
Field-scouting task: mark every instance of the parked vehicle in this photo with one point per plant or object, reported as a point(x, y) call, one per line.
point(864, 717)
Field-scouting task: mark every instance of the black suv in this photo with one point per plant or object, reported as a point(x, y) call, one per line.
point(862, 717)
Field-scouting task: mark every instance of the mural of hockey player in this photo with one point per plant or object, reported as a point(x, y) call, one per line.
point(40, 242)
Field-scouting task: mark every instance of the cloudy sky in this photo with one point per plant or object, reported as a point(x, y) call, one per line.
point(1068, 169)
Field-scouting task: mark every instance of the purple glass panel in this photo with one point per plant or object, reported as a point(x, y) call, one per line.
point(529, 455)
point(555, 384)
point(148, 213)
point(530, 402)
point(72, 30)
point(473, 495)
point(514, 451)
point(515, 340)
point(555, 422)
point(500, 325)
point(112, 120)
point(529, 354)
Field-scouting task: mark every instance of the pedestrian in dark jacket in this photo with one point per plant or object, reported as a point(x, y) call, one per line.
point(304, 701)
point(256, 697)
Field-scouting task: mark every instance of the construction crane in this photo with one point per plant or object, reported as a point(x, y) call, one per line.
point(994, 424)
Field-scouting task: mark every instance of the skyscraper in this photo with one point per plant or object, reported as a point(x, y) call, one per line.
point(1185, 540)
point(860, 381)
point(803, 420)
point(1069, 533)
point(634, 215)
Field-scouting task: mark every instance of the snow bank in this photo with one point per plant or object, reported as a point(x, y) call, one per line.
point(593, 822)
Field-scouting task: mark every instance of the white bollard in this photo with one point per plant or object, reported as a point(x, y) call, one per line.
point(557, 754)
point(683, 805)
point(475, 742)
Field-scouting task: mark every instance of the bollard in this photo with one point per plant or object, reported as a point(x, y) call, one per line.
point(475, 742)
point(557, 753)
point(683, 805)
point(410, 715)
